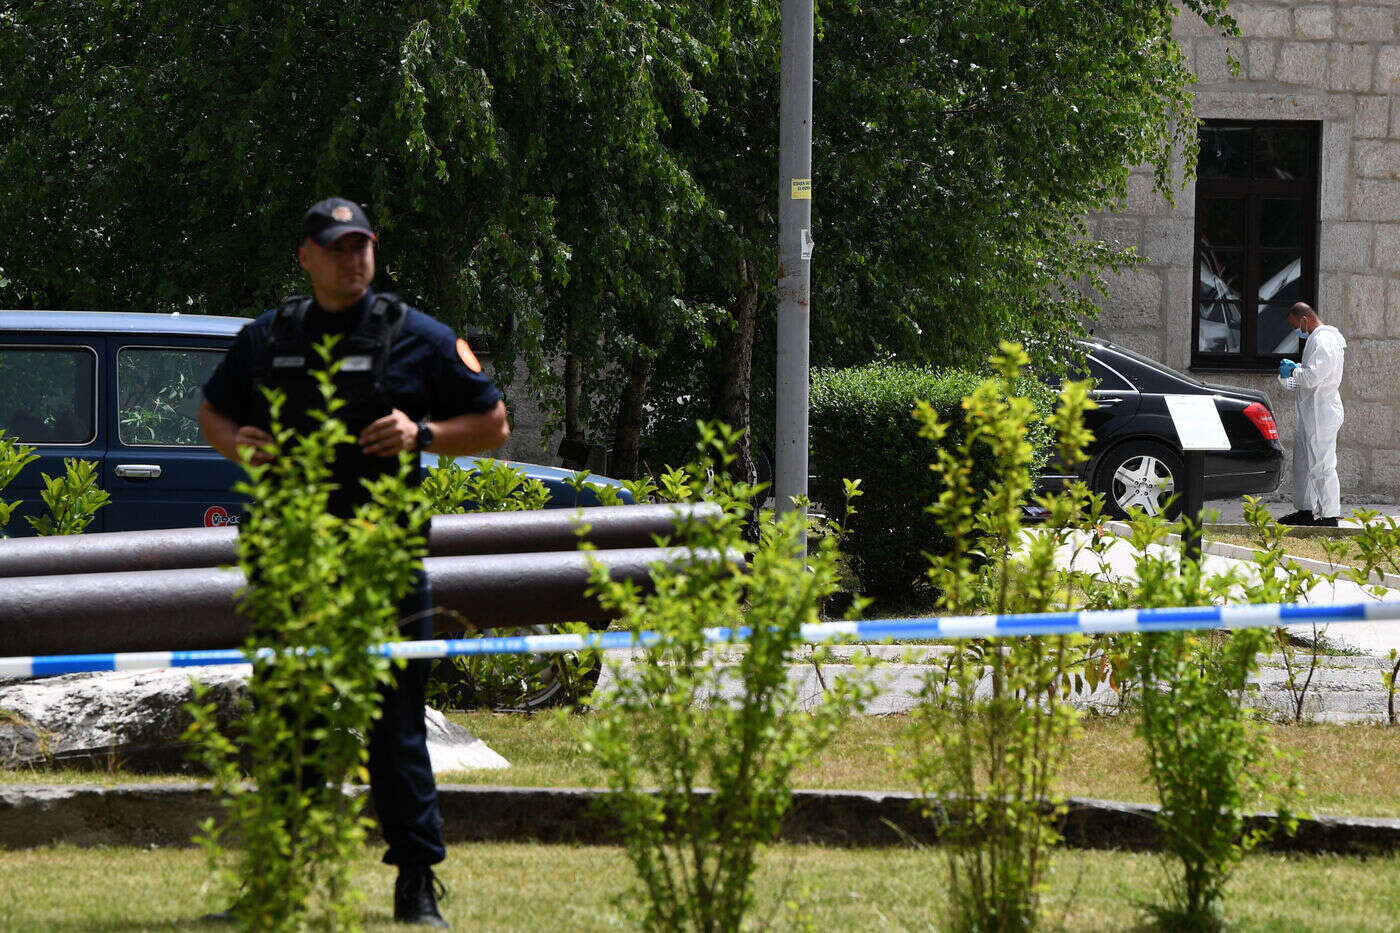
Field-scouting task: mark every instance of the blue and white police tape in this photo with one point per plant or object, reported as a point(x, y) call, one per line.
point(877, 630)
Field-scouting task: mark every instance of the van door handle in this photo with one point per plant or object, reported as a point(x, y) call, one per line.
point(1107, 401)
point(138, 471)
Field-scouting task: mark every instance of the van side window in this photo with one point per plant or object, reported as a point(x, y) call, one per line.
point(158, 395)
point(49, 394)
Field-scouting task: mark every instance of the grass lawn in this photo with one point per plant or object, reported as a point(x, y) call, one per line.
point(1352, 770)
point(537, 887)
point(1310, 548)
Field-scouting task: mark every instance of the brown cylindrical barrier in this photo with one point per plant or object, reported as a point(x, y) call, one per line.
point(196, 608)
point(613, 527)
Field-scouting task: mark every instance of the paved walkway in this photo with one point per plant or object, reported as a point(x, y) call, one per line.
point(1232, 510)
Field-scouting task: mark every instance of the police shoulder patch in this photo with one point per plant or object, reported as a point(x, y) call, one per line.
point(468, 358)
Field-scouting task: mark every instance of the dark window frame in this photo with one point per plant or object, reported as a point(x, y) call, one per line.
point(120, 406)
point(1253, 191)
point(93, 379)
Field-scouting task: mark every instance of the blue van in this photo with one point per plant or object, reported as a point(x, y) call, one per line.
point(124, 390)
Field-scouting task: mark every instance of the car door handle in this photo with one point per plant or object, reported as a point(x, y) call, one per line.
point(138, 471)
point(1107, 401)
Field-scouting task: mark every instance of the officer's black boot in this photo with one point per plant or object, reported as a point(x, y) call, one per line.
point(415, 897)
point(1300, 517)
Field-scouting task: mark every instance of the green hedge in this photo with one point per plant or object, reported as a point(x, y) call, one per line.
point(862, 427)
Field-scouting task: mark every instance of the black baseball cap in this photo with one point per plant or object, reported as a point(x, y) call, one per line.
point(329, 220)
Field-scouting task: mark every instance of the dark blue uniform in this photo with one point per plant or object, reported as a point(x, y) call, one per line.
point(427, 376)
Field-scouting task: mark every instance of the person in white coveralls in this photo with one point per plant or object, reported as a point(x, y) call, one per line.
point(1317, 381)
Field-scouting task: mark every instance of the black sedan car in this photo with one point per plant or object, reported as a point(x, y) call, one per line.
point(1136, 459)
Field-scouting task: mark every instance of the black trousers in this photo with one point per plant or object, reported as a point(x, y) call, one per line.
point(401, 781)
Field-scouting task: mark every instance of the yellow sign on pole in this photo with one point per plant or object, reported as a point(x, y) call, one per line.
point(802, 189)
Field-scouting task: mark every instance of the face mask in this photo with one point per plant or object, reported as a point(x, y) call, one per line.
point(1301, 334)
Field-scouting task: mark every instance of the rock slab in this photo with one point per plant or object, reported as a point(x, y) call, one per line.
point(134, 720)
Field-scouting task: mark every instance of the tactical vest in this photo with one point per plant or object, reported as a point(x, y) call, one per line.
point(364, 357)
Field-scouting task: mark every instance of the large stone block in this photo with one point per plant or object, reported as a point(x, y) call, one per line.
point(1372, 117)
point(1375, 199)
point(1377, 158)
point(1143, 196)
point(1387, 69)
point(1372, 370)
point(1258, 19)
point(1302, 63)
point(1188, 25)
point(1394, 117)
point(1392, 311)
point(1330, 294)
point(1346, 246)
point(1353, 467)
point(1260, 55)
point(1336, 171)
point(1385, 469)
point(1387, 248)
point(1350, 66)
point(1133, 300)
point(1314, 21)
point(1364, 306)
point(1212, 64)
point(1146, 342)
point(1120, 230)
point(1168, 241)
point(1364, 23)
point(1369, 424)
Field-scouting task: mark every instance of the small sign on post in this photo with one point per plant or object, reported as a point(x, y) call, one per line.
point(1198, 427)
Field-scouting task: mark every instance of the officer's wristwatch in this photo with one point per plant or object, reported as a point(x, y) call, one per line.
point(425, 436)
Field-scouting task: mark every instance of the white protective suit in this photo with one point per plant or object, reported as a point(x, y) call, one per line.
point(1317, 380)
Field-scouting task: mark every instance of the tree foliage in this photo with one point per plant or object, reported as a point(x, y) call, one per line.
point(592, 182)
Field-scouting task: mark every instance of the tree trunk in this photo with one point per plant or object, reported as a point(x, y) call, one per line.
point(736, 379)
point(627, 432)
point(573, 390)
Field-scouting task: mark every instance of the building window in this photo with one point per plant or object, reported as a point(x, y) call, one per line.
point(1256, 240)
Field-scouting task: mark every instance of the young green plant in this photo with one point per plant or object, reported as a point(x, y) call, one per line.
point(321, 590)
point(14, 457)
point(716, 732)
point(991, 728)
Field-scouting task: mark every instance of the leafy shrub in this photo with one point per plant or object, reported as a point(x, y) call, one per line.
point(507, 681)
point(660, 724)
point(315, 581)
point(14, 457)
point(1208, 754)
point(491, 487)
point(992, 726)
point(73, 499)
point(861, 427)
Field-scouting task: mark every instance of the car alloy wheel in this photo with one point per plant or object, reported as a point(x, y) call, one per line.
point(1143, 482)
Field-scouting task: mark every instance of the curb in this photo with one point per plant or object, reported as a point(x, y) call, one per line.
point(169, 815)
point(1246, 553)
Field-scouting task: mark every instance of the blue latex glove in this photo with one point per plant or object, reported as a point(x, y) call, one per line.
point(1286, 367)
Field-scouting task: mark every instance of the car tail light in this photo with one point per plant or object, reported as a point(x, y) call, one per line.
point(1263, 420)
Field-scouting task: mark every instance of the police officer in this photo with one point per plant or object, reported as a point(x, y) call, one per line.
point(412, 385)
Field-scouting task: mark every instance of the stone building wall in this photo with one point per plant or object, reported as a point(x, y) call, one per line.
point(528, 441)
point(1337, 63)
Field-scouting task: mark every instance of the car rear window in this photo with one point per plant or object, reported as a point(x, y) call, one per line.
point(1106, 379)
point(1149, 374)
point(49, 394)
point(158, 394)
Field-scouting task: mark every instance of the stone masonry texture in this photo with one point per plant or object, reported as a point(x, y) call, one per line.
point(1337, 64)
